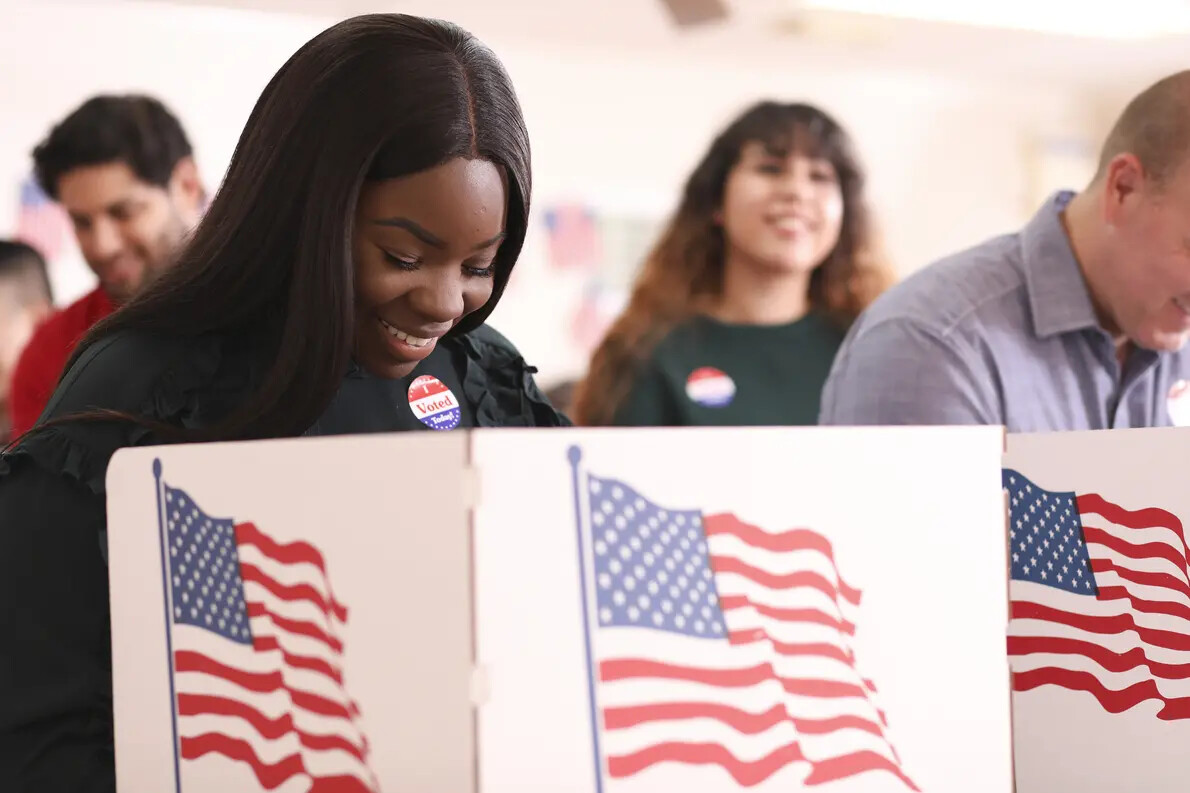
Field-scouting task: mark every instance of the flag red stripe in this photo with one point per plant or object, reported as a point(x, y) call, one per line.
point(732, 602)
point(827, 726)
point(1111, 700)
point(1142, 551)
point(630, 668)
point(270, 775)
point(292, 592)
point(740, 720)
point(821, 688)
point(836, 768)
point(300, 627)
point(746, 773)
point(1096, 624)
point(266, 643)
point(821, 650)
point(799, 650)
point(1109, 660)
point(270, 729)
point(288, 553)
point(793, 540)
point(1166, 607)
point(1146, 518)
point(777, 581)
point(340, 784)
point(260, 682)
point(1141, 577)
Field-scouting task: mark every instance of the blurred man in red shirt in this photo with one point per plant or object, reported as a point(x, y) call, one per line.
point(123, 169)
point(26, 298)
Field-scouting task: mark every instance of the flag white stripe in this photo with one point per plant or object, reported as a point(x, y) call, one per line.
point(1149, 566)
point(291, 574)
point(750, 699)
point(1116, 681)
point(1117, 643)
point(299, 611)
point(795, 598)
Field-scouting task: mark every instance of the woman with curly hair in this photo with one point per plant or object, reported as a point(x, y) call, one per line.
point(743, 302)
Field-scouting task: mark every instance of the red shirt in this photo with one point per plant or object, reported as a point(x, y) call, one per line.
point(41, 362)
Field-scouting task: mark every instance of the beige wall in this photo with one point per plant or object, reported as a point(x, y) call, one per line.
point(950, 159)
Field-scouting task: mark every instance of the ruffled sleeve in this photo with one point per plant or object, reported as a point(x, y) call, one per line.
point(500, 386)
point(170, 381)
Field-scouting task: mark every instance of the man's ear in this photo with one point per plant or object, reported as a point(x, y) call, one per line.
point(186, 189)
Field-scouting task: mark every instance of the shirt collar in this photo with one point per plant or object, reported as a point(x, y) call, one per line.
point(1058, 297)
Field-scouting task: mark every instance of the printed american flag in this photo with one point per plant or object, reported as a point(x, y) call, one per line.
point(1100, 598)
point(41, 223)
point(258, 661)
point(574, 239)
point(717, 643)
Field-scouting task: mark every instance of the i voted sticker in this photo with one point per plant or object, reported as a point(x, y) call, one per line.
point(1178, 404)
point(710, 387)
point(433, 403)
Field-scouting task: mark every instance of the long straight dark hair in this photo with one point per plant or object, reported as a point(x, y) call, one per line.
point(374, 97)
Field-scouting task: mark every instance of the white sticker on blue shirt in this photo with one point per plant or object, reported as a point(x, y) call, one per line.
point(710, 387)
point(1178, 403)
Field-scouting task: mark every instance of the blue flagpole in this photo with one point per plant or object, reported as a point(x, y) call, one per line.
point(575, 455)
point(163, 534)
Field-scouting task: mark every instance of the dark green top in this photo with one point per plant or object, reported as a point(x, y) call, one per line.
point(711, 373)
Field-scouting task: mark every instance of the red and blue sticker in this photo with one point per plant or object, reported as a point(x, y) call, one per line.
point(433, 403)
point(710, 387)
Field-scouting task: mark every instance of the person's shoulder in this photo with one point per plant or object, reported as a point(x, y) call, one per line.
point(70, 321)
point(121, 372)
point(117, 372)
point(155, 377)
point(500, 385)
point(491, 340)
point(983, 283)
point(680, 340)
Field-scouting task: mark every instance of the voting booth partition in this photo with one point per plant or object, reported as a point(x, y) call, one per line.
point(1099, 641)
point(652, 609)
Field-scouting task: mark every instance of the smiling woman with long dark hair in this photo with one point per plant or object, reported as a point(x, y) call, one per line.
point(368, 223)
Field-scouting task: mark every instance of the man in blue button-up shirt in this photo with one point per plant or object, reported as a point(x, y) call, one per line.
point(1078, 321)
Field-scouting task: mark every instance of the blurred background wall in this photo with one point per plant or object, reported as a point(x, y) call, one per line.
point(964, 128)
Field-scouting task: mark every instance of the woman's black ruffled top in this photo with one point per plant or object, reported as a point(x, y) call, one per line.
point(55, 646)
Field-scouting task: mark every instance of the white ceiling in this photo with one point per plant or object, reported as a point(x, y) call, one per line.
point(773, 33)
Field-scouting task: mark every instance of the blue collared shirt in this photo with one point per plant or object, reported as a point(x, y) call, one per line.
point(1002, 333)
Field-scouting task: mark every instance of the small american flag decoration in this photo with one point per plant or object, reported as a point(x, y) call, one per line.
point(41, 223)
point(574, 238)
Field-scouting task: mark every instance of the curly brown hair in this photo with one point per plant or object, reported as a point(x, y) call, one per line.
point(682, 275)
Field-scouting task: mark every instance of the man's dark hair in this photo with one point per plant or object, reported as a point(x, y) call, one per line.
point(23, 267)
point(136, 130)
